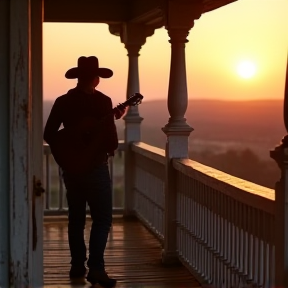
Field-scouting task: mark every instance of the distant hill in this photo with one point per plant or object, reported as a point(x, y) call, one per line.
point(218, 125)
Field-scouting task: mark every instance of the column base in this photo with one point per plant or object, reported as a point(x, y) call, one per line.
point(170, 258)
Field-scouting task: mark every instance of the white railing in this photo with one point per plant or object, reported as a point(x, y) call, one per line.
point(225, 227)
point(149, 197)
point(55, 192)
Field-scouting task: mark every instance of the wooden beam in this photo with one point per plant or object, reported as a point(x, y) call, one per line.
point(147, 11)
point(150, 12)
point(86, 11)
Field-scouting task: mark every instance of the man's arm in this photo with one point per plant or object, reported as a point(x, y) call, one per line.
point(53, 122)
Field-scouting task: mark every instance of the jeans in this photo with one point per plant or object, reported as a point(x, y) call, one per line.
point(94, 189)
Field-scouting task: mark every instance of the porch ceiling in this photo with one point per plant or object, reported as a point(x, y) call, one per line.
point(114, 11)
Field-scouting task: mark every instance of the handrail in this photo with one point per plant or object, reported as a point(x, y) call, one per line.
point(56, 190)
point(241, 190)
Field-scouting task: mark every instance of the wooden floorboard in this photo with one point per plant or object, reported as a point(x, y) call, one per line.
point(132, 256)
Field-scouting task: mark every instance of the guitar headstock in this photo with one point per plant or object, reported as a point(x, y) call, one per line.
point(134, 100)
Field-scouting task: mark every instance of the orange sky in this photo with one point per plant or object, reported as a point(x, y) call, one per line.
point(255, 30)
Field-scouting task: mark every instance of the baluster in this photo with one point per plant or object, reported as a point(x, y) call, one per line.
point(47, 192)
point(203, 238)
point(265, 230)
point(198, 224)
point(195, 224)
point(178, 215)
point(220, 237)
point(241, 241)
point(186, 219)
point(261, 219)
point(212, 235)
point(255, 248)
point(214, 243)
point(245, 235)
point(226, 239)
point(60, 189)
point(271, 251)
point(191, 222)
point(217, 237)
point(232, 243)
point(200, 227)
point(206, 231)
point(229, 240)
point(111, 170)
point(236, 241)
point(250, 242)
point(181, 225)
point(236, 234)
point(202, 222)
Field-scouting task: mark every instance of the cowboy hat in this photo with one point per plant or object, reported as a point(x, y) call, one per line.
point(87, 67)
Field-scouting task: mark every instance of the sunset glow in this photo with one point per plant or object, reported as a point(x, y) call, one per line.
point(219, 44)
point(246, 69)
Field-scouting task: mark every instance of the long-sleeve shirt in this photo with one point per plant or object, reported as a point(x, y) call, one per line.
point(75, 106)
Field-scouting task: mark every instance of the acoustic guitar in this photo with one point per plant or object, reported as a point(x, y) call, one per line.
point(75, 148)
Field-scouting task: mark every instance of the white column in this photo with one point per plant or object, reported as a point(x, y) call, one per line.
point(132, 132)
point(280, 155)
point(181, 15)
point(132, 118)
point(4, 144)
point(15, 134)
point(134, 37)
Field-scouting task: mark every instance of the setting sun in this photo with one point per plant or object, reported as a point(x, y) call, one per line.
point(246, 69)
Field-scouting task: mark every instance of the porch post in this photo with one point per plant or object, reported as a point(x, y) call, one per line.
point(133, 36)
point(4, 144)
point(15, 174)
point(280, 155)
point(37, 134)
point(180, 20)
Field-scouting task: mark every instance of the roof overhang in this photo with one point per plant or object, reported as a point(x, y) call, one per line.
point(150, 12)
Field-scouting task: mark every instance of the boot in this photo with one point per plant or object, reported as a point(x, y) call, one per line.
point(95, 276)
point(77, 274)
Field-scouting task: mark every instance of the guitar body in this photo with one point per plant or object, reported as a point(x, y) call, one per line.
point(75, 151)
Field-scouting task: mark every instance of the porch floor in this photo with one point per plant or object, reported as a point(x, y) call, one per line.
point(133, 257)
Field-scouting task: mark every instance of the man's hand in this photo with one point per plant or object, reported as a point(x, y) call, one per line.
point(119, 111)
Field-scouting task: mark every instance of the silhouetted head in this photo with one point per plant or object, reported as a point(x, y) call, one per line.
point(88, 72)
point(88, 68)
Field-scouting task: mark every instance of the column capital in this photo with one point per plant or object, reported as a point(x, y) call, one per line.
point(280, 153)
point(132, 35)
point(180, 18)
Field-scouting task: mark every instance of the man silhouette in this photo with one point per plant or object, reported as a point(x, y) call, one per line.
point(94, 187)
